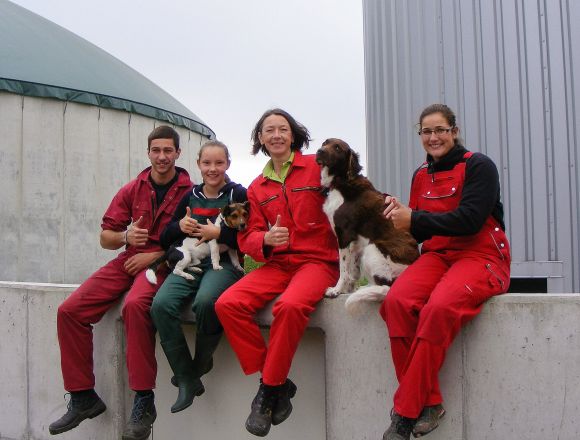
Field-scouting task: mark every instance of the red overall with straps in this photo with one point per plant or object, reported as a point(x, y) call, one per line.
point(440, 292)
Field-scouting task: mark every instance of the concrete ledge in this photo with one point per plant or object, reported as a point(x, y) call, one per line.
point(512, 373)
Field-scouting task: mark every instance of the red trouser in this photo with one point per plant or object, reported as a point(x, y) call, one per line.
point(87, 305)
point(301, 286)
point(425, 309)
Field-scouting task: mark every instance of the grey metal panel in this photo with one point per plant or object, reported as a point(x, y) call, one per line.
point(510, 70)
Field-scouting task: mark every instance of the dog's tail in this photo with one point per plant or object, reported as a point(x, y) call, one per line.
point(365, 294)
point(150, 274)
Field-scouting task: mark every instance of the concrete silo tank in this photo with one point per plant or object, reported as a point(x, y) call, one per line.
point(74, 122)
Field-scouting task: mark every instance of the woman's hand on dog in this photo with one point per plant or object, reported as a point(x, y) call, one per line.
point(277, 235)
point(399, 214)
point(187, 224)
point(138, 262)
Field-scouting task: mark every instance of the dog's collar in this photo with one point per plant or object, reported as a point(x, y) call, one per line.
point(221, 219)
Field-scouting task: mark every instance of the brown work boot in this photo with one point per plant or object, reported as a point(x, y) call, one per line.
point(283, 407)
point(82, 405)
point(260, 419)
point(400, 428)
point(142, 417)
point(428, 420)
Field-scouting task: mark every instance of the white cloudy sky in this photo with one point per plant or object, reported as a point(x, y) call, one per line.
point(230, 60)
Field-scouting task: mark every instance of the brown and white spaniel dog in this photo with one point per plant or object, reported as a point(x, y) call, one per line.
point(369, 244)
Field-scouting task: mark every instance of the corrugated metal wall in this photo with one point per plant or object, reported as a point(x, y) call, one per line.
point(511, 71)
point(60, 166)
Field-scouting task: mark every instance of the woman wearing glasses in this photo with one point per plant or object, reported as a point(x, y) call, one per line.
point(456, 212)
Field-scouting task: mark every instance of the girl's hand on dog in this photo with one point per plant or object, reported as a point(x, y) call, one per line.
point(137, 236)
point(187, 224)
point(138, 262)
point(207, 232)
point(397, 212)
point(277, 235)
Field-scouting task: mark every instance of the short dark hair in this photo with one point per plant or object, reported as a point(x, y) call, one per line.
point(299, 132)
point(164, 132)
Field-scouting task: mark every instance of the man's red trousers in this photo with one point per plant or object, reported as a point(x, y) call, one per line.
point(87, 305)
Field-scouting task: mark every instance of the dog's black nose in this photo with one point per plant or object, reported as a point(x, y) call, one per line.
point(319, 155)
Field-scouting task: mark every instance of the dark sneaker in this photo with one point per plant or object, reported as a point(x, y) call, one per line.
point(78, 409)
point(260, 419)
point(428, 420)
point(283, 406)
point(142, 417)
point(400, 428)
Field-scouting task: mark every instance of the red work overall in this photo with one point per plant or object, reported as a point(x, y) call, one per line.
point(440, 292)
point(297, 273)
point(103, 289)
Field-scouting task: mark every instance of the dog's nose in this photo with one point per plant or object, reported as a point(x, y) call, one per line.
point(319, 154)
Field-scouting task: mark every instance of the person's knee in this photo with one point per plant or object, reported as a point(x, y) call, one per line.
point(204, 305)
point(67, 310)
point(291, 308)
point(227, 302)
point(438, 311)
point(159, 309)
point(136, 306)
point(396, 300)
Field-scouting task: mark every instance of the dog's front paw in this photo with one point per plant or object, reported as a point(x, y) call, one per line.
point(332, 292)
point(239, 268)
point(196, 270)
point(217, 267)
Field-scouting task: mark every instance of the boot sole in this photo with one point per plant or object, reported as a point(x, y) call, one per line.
point(422, 433)
point(91, 413)
point(291, 394)
point(257, 433)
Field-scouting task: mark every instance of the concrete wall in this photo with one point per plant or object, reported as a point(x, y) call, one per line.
point(60, 165)
point(512, 373)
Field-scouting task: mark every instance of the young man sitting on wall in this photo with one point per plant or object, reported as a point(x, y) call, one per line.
point(134, 220)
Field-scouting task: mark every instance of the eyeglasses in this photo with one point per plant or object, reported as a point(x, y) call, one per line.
point(438, 131)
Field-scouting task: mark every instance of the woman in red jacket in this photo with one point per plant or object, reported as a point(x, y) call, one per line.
point(290, 233)
point(456, 212)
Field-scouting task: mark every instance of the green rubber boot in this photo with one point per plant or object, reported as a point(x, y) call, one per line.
point(179, 357)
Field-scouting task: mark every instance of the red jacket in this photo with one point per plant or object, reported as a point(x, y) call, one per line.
point(299, 203)
point(136, 199)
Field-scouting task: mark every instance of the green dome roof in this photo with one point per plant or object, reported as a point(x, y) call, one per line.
point(40, 58)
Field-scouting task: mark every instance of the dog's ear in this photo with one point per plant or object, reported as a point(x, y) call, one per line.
point(354, 167)
point(246, 205)
point(226, 210)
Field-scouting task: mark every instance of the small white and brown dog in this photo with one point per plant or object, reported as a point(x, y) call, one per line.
point(191, 252)
point(369, 244)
